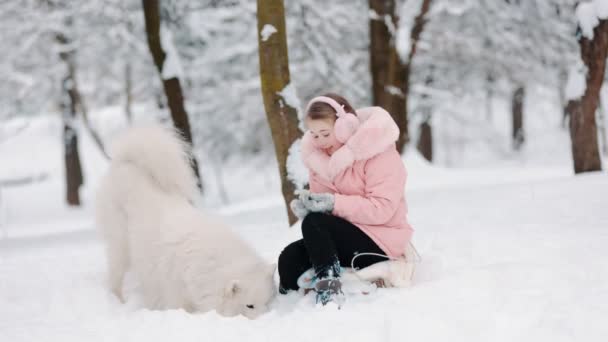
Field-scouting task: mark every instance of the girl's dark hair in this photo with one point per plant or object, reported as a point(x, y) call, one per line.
point(321, 110)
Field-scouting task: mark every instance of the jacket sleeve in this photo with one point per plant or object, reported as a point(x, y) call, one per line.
point(385, 177)
point(316, 184)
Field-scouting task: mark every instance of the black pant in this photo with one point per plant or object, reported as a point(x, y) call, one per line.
point(327, 241)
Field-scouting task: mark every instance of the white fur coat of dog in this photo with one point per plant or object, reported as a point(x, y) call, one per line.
point(181, 257)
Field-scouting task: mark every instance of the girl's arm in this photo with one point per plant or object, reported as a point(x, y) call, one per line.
point(385, 178)
point(315, 184)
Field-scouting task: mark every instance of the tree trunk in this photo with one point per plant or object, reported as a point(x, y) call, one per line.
point(87, 124)
point(128, 66)
point(160, 100)
point(489, 96)
point(274, 74)
point(425, 141)
point(128, 92)
point(380, 46)
point(389, 74)
point(583, 129)
point(172, 86)
point(68, 104)
point(517, 110)
point(395, 95)
point(425, 137)
point(601, 115)
point(393, 92)
point(563, 80)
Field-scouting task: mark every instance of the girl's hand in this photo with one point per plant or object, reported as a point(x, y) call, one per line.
point(298, 208)
point(317, 202)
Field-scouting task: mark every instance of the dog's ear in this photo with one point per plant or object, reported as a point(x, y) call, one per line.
point(232, 289)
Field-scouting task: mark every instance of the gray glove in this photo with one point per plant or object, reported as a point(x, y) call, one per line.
point(317, 202)
point(298, 208)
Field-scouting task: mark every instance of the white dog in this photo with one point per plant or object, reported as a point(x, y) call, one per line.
point(181, 257)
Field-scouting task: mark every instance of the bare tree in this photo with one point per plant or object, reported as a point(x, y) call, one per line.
point(583, 128)
point(128, 68)
point(68, 105)
point(276, 88)
point(563, 101)
point(490, 81)
point(425, 140)
point(390, 81)
point(388, 71)
point(425, 136)
point(170, 78)
point(601, 116)
point(517, 110)
point(380, 45)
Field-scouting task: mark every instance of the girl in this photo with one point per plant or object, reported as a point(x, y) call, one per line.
point(356, 201)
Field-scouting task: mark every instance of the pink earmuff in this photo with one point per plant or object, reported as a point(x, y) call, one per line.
point(346, 124)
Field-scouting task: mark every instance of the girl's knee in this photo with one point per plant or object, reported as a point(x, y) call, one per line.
point(311, 221)
point(291, 256)
point(284, 258)
point(292, 261)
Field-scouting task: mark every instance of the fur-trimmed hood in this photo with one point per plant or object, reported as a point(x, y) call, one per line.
point(376, 133)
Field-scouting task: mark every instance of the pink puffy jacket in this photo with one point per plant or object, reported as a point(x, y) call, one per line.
point(367, 177)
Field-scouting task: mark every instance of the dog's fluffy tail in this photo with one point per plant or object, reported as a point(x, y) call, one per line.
point(161, 154)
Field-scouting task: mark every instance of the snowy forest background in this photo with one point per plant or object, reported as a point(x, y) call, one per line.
point(476, 67)
point(501, 107)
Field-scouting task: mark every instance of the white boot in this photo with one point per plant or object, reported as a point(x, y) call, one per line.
point(395, 272)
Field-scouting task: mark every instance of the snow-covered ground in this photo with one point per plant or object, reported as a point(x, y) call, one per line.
point(509, 253)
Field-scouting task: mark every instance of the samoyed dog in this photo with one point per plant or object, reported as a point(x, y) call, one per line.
point(180, 257)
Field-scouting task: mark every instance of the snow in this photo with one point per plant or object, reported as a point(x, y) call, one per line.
point(388, 21)
point(601, 7)
point(509, 253)
point(407, 19)
point(587, 18)
point(172, 67)
point(589, 14)
point(373, 15)
point(577, 81)
point(296, 170)
point(393, 90)
point(267, 31)
point(290, 96)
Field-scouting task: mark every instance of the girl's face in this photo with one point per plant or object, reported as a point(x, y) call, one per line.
point(322, 132)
